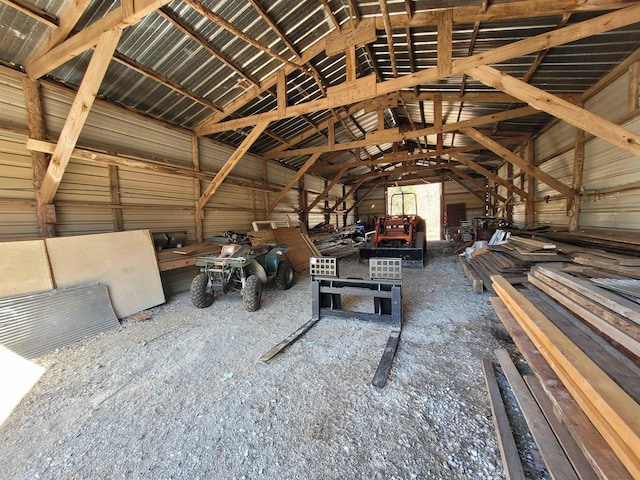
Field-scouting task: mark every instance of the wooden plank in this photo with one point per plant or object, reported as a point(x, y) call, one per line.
point(382, 372)
point(610, 409)
point(282, 92)
point(606, 298)
point(569, 445)
point(554, 458)
point(294, 179)
point(351, 35)
point(532, 244)
point(124, 261)
point(616, 328)
point(591, 443)
point(598, 262)
point(508, 450)
point(474, 279)
point(25, 268)
point(606, 356)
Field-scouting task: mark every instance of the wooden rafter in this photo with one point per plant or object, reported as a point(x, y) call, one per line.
point(87, 38)
point(365, 89)
point(336, 178)
point(230, 164)
point(294, 179)
point(389, 32)
point(392, 136)
point(362, 198)
point(330, 14)
point(472, 180)
point(348, 193)
point(467, 188)
point(78, 113)
point(519, 162)
point(187, 30)
point(490, 175)
point(570, 113)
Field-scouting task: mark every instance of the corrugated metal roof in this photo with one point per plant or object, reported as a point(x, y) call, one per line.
point(192, 75)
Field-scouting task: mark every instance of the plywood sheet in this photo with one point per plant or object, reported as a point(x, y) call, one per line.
point(24, 268)
point(124, 261)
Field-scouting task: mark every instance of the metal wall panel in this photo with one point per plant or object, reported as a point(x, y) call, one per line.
point(16, 171)
point(560, 168)
point(118, 130)
point(612, 211)
point(214, 155)
point(12, 99)
point(557, 139)
point(553, 213)
point(372, 206)
point(612, 102)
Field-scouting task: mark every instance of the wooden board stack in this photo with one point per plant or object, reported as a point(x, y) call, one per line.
point(582, 343)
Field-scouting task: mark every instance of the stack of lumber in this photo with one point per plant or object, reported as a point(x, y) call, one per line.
point(301, 248)
point(582, 342)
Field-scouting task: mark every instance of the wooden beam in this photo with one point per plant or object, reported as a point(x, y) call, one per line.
point(160, 167)
point(467, 188)
point(114, 192)
point(233, 160)
point(389, 32)
point(89, 37)
point(74, 11)
point(78, 113)
point(390, 135)
point(361, 199)
point(472, 180)
point(437, 123)
point(39, 161)
point(634, 86)
point(529, 205)
point(197, 190)
point(365, 90)
point(570, 113)
point(489, 174)
point(350, 64)
point(349, 192)
point(519, 162)
point(578, 167)
point(330, 14)
point(308, 164)
point(282, 92)
point(327, 188)
point(445, 41)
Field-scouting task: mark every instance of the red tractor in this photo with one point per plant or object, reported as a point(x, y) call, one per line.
point(399, 235)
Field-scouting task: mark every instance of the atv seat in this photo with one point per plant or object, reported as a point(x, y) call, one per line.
point(261, 248)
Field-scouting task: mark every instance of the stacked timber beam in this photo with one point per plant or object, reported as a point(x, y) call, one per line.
point(582, 342)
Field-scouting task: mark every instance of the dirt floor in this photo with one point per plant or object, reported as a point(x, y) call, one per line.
point(183, 395)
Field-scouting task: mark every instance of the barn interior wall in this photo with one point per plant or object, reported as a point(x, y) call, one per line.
point(454, 193)
point(147, 199)
point(611, 176)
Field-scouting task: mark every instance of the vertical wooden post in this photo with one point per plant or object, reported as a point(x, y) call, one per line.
point(344, 206)
point(266, 194)
point(303, 214)
point(578, 167)
point(327, 215)
point(282, 93)
point(510, 199)
point(437, 123)
point(442, 209)
point(197, 189)
point(351, 62)
point(634, 86)
point(45, 213)
point(529, 205)
point(114, 190)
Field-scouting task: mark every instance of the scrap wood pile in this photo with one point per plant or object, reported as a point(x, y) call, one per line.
point(578, 326)
point(338, 243)
point(512, 260)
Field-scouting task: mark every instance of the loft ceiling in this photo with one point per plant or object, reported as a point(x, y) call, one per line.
point(212, 66)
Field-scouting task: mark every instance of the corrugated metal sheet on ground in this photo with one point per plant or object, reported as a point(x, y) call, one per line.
point(35, 324)
point(630, 288)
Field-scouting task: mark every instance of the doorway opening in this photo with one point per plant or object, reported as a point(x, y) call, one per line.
point(428, 197)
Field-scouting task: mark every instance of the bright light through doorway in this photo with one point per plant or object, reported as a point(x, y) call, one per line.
point(428, 197)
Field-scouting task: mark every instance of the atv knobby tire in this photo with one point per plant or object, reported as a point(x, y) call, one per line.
point(284, 277)
point(201, 293)
point(251, 293)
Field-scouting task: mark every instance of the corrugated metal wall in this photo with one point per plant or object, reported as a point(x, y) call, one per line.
point(372, 206)
point(148, 200)
point(605, 168)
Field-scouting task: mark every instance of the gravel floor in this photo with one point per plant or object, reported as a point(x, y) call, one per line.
point(183, 395)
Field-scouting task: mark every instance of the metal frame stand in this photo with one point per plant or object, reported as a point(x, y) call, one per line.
point(385, 287)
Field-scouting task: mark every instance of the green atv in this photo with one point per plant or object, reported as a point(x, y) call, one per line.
point(240, 266)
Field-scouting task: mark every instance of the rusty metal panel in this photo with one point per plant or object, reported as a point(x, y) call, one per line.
point(35, 324)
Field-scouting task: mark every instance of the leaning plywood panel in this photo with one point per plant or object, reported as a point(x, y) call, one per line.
point(37, 323)
point(24, 268)
point(124, 261)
